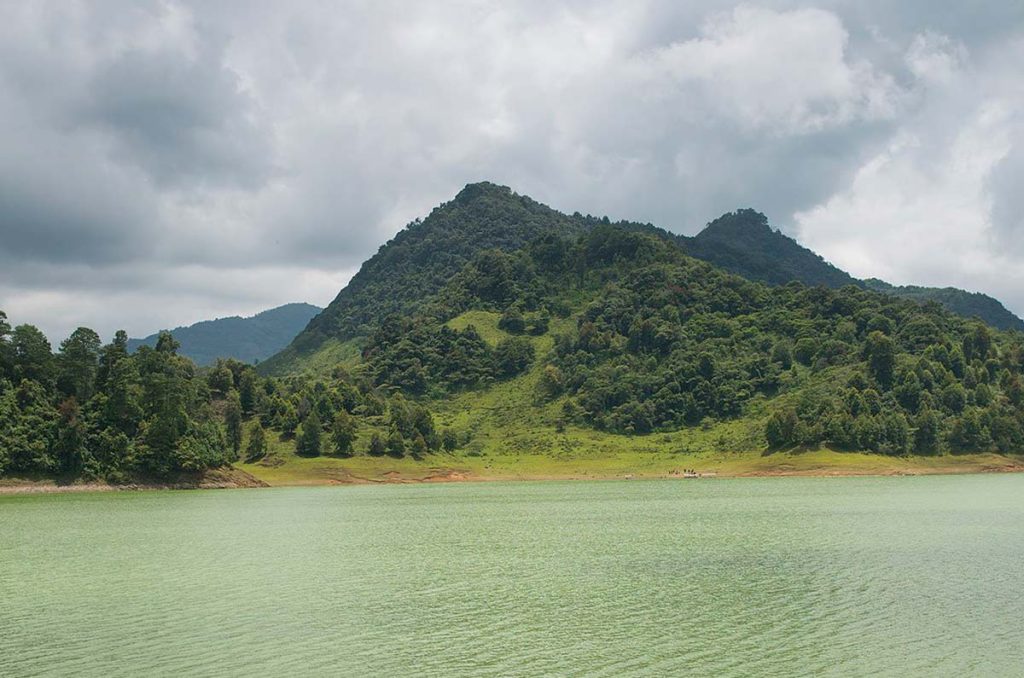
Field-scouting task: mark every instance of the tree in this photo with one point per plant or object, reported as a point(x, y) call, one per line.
point(78, 364)
point(233, 423)
point(513, 355)
point(70, 447)
point(33, 358)
point(343, 433)
point(780, 429)
point(220, 378)
point(449, 440)
point(880, 352)
point(120, 407)
point(926, 434)
point(257, 446)
point(419, 446)
point(377, 446)
point(805, 350)
point(166, 343)
point(512, 321)
point(782, 353)
point(247, 390)
point(396, 444)
point(309, 438)
point(111, 355)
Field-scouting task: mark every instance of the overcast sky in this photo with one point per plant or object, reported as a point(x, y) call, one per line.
point(167, 162)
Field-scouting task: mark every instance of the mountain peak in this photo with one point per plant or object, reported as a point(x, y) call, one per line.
point(744, 243)
point(481, 189)
point(742, 223)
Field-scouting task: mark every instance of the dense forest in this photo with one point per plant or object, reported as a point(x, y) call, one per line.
point(663, 341)
point(97, 411)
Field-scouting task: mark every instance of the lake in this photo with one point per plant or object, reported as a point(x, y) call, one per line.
point(780, 576)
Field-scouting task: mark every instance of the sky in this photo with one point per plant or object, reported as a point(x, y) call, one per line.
point(164, 162)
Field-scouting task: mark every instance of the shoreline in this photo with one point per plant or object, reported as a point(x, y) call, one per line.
point(214, 479)
point(239, 478)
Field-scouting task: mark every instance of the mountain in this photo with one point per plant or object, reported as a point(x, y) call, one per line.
point(513, 324)
point(743, 243)
point(246, 339)
point(421, 259)
point(961, 302)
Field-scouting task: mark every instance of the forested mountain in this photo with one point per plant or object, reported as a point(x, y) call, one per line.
point(423, 257)
point(743, 243)
point(246, 339)
point(963, 303)
point(529, 331)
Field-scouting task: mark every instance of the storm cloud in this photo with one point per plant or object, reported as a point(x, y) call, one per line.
point(166, 162)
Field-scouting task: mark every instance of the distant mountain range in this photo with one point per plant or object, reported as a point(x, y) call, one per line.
point(249, 339)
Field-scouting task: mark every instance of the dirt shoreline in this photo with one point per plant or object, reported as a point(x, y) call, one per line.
point(235, 478)
point(215, 479)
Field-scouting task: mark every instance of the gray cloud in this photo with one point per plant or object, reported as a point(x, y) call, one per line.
point(166, 161)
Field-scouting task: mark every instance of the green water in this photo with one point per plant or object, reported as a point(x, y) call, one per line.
point(892, 576)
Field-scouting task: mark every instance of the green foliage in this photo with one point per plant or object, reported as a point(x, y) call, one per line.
point(233, 424)
point(377, 446)
point(308, 444)
point(396, 444)
point(96, 411)
point(880, 353)
point(781, 429)
point(78, 364)
point(257, 446)
point(343, 433)
point(512, 356)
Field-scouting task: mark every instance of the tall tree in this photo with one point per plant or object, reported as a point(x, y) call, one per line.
point(33, 358)
point(343, 433)
point(257, 445)
point(247, 390)
point(70, 446)
point(78, 364)
point(309, 437)
point(233, 423)
point(880, 352)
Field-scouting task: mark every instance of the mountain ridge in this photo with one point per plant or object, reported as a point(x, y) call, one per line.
point(743, 243)
point(484, 215)
point(248, 339)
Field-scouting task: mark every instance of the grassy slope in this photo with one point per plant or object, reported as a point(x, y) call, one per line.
point(327, 356)
point(514, 437)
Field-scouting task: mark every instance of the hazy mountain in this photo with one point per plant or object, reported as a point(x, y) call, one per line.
point(247, 339)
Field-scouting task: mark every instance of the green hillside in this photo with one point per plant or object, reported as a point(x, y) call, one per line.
point(421, 259)
point(246, 339)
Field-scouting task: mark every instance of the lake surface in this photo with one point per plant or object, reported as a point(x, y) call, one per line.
point(782, 576)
